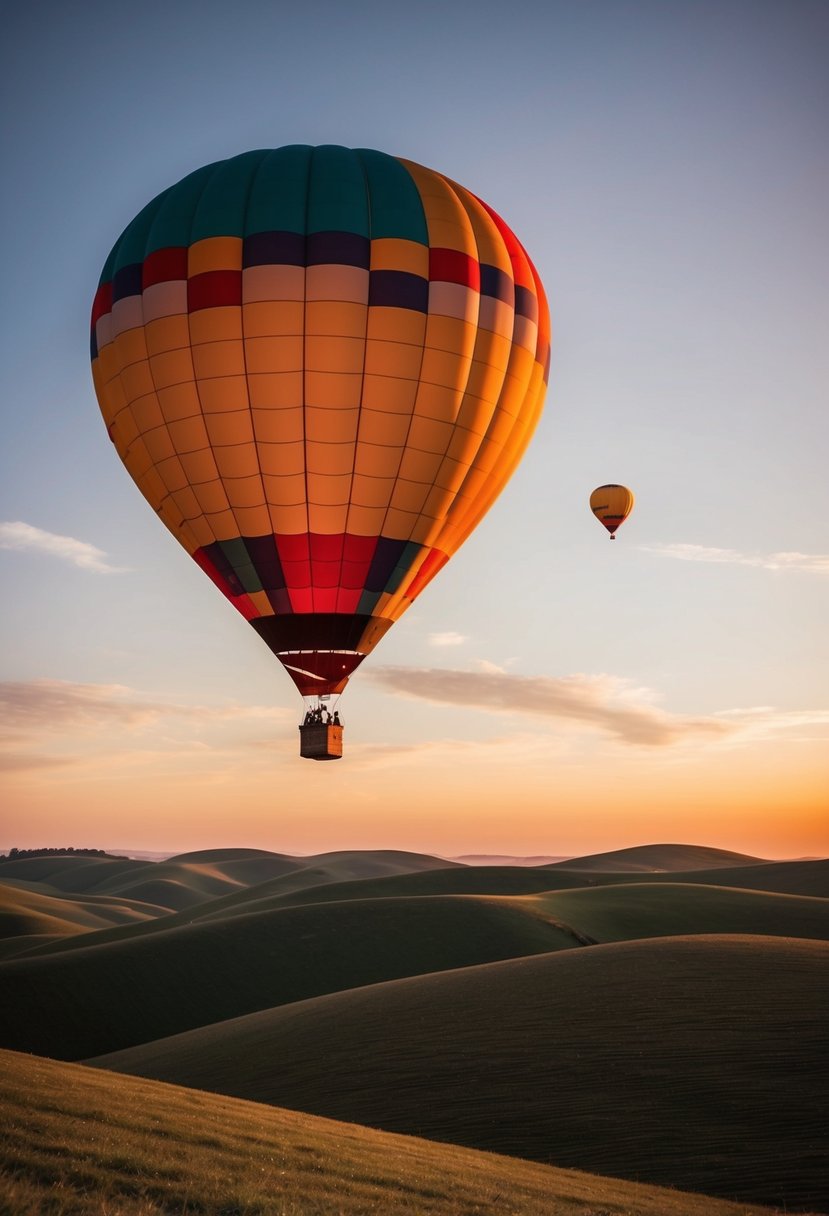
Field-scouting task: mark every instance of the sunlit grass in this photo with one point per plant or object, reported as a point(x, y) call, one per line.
point(76, 1142)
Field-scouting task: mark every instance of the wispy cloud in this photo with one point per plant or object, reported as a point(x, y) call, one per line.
point(26, 538)
point(46, 724)
point(25, 763)
point(449, 638)
point(603, 702)
point(516, 748)
point(59, 703)
point(110, 728)
point(765, 721)
point(803, 563)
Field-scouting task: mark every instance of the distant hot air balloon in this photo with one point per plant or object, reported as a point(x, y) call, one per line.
point(611, 505)
point(320, 366)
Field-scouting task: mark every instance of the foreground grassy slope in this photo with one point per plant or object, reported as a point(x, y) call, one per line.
point(76, 1142)
point(98, 999)
point(699, 1062)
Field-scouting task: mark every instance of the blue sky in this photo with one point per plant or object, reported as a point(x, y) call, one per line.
point(665, 164)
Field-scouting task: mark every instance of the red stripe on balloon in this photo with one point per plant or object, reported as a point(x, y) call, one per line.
point(348, 599)
point(452, 266)
point(214, 289)
point(435, 560)
point(102, 304)
point(164, 266)
point(517, 253)
point(245, 605)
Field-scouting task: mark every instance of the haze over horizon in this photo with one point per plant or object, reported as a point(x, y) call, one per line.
point(550, 693)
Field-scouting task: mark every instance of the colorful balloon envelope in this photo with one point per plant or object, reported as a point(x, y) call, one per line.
point(320, 366)
point(611, 505)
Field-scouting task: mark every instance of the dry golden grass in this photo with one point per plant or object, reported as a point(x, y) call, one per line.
point(76, 1142)
point(697, 1062)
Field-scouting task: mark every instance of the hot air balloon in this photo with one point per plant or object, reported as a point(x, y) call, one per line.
point(320, 366)
point(611, 505)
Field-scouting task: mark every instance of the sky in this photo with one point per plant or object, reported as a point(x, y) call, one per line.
point(666, 166)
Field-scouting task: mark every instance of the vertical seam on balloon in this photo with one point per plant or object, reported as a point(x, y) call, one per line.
point(447, 517)
point(168, 495)
point(245, 212)
point(112, 259)
point(422, 357)
point(358, 158)
point(450, 186)
point(304, 365)
point(207, 181)
point(230, 507)
point(499, 238)
point(466, 522)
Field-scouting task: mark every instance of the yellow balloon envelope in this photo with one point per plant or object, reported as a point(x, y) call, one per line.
point(611, 505)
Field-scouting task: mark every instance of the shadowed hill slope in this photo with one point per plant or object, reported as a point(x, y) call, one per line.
point(26, 911)
point(320, 885)
point(658, 857)
point(668, 909)
point(193, 879)
point(62, 872)
point(77, 1142)
point(693, 1062)
point(98, 999)
point(795, 878)
point(328, 870)
point(462, 880)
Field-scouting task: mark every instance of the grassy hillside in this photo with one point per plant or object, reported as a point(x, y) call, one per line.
point(784, 877)
point(795, 878)
point(76, 1142)
point(192, 879)
point(98, 999)
point(462, 880)
point(668, 909)
point(69, 873)
point(699, 1063)
point(659, 857)
point(318, 885)
point(24, 912)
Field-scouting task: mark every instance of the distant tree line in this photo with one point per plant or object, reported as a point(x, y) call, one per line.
point(17, 854)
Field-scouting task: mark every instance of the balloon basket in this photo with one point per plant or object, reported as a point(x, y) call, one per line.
point(319, 741)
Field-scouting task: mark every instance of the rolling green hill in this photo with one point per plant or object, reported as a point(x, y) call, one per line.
point(328, 870)
point(24, 912)
point(87, 1001)
point(668, 909)
point(76, 1142)
point(192, 878)
point(323, 881)
point(795, 878)
point(695, 1062)
point(658, 857)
